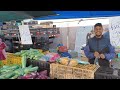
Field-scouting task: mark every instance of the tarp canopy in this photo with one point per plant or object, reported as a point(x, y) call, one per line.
point(21, 15)
point(80, 14)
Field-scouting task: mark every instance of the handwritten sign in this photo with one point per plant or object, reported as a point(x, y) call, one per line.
point(114, 28)
point(25, 34)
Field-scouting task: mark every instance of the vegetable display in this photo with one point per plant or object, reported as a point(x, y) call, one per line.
point(35, 75)
point(71, 62)
point(12, 72)
point(51, 57)
point(31, 53)
point(34, 54)
point(24, 61)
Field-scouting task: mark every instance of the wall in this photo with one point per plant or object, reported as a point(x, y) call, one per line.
point(72, 37)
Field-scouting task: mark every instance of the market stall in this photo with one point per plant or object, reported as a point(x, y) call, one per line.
point(27, 64)
point(65, 59)
point(111, 28)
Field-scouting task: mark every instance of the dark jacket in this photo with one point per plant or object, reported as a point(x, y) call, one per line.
point(101, 45)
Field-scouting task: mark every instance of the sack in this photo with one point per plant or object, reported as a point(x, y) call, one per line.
point(62, 49)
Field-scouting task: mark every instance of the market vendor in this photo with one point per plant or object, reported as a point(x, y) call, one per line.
point(2, 50)
point(99, 47)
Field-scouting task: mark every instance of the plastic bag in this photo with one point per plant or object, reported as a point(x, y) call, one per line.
point(53, 57)
point(62, 49)
point(82, 62)
point(44, 58)
point(65, 54)
point(73, 54)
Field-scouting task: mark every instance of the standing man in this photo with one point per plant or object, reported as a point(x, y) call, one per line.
point(99, 47)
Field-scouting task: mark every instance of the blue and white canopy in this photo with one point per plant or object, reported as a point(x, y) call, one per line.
point(80, 14)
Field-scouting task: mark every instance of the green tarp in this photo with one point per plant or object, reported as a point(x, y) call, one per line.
point(20, 15)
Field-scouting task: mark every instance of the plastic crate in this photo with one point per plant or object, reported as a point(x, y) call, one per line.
point(42, 65)
point(66, 72)
point(10, 53)
point(11, 60)
point(17, 60)
point(107, 73)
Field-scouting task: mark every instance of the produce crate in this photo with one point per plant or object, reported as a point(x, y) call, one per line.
point(3, 62)
point(107, 73)
point(42, 65)
point(11, 60)
point(16, 60)
point(67, 72)
point(10, 53)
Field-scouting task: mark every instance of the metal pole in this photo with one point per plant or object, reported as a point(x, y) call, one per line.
point(67, 35)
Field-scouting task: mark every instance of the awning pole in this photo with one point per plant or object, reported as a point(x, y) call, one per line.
point(68, 35)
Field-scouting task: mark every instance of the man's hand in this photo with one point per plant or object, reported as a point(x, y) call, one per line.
point(97, 55)
point(102, 56)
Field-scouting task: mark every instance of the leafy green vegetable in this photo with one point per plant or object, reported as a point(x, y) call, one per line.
point(18, 54)
point(31, 53)
point(12, 72)
point(27, 70)
point(9, 75)
point(14, 77)
point(23, 61)
point(19, 71)
point(2, 77)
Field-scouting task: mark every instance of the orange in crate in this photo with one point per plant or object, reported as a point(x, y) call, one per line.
point(0, 63)
point(11, 60)
point(3, 62)
point(17, 60)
